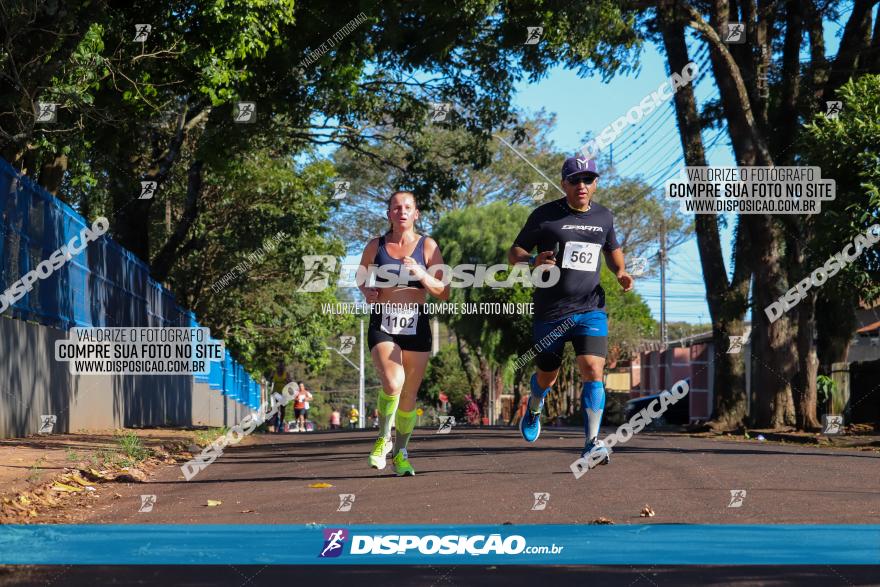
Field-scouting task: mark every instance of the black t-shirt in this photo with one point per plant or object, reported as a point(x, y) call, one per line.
point(581, 237)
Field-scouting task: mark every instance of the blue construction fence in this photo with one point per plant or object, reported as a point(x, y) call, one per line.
point(104, 285)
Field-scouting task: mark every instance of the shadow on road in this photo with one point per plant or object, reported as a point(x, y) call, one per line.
point(501, 576)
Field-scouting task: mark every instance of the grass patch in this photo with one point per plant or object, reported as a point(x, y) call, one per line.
point(128, 452)
point(132, 448)
point(103, 457)
point(206, 437)
point(34, 474)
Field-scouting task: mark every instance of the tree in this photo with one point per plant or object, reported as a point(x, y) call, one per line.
point(445, 374)
point(162, 111)
point(132, 112)
point(763, 128)
point(846, 148)
point(726, 297)
point(505, 178)
point(242, 263)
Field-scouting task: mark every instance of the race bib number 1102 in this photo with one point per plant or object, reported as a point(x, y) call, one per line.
point(400, 321)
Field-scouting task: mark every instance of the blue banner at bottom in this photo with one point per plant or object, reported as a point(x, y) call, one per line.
point(654, 544)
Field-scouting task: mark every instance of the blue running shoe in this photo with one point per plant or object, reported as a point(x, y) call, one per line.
point(596, 453)
point(530, 425)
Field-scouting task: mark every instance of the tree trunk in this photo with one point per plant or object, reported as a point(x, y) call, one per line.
point(727, 300)
point(498, 389)
point(517, 395)
point(805, 380)
point(52, 173)
point(485, 375)
point(856, 38)
point(774, 349)
point(873, 57)
point(836, 322)
point(467, 363)
point(170, 251)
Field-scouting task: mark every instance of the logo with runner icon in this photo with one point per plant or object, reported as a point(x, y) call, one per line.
point(541, 501)
point(334, 540)
point(47, 423)
point(346, 500)
point(533, 34)
point(737, 496)
point(832, 423)
point(538, 190)
point(446, 424)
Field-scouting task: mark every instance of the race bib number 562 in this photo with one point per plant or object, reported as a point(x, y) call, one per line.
point(400, 321)
point(581, 256)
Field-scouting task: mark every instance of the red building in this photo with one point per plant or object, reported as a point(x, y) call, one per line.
point(657, 367)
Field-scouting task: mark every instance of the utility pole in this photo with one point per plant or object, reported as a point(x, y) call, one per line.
point(360, 369)
point(361, 406)
point(663, 283)
point(491, 410)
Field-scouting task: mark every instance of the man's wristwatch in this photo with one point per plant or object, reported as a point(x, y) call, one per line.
point(532, 259)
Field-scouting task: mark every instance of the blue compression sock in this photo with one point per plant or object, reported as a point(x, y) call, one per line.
point(593, 404)
point(538, 394)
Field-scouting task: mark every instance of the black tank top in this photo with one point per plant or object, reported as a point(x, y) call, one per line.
point(393, 265)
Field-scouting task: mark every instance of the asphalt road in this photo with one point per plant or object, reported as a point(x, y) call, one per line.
point(441, 576)
point(490, 476)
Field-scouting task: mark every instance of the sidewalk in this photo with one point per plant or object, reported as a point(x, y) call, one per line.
point(41, 474)
point(856, 436)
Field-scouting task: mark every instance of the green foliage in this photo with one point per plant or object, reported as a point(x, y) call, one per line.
point(846, 150)
point(34, 470)
point(208, 435)
point(163, 108)
point(825, 388)
point(261, 216)
point(482, 235)
point(131, 447)
point(445, 374)
point(629, 318)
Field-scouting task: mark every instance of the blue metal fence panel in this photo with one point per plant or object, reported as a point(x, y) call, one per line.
point(227, 375)
point(103, 285)
point(215, 377)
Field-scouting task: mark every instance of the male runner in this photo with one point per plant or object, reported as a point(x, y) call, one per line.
point(570, 232)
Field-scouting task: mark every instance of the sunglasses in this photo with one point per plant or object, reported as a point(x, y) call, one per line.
point(586, 180)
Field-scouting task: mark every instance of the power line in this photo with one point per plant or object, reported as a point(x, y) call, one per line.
point(676, 146)
point(629, 134)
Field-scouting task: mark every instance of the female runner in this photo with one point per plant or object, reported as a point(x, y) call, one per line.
point(399, 335)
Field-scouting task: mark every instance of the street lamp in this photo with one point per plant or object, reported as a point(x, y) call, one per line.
point(347, 346)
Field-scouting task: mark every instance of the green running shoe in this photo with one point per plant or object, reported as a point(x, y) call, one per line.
point(380, 452)
point(401, 464)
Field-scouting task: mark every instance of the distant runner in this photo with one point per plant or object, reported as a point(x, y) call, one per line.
point(571, 232)
point(301, 407)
